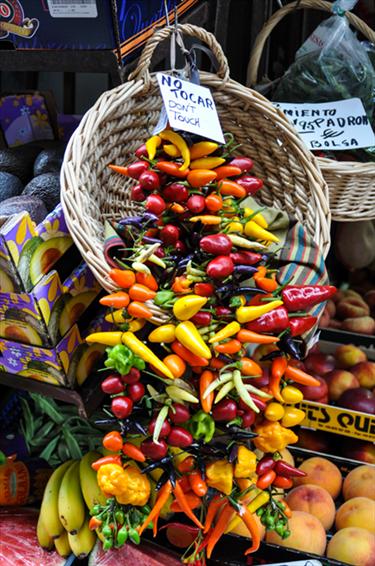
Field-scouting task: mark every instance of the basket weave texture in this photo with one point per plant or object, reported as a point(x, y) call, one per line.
point(351, 184)
point(124, 117)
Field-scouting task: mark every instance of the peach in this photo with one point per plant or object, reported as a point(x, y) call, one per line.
point(331, 308)
point(325, 319)
point(362, 325)
point(360, 482)
point(370, 300)
point(319, 363)
point(333, 323)
point(348, 355)
point(352, 308)
point(365, 373)
point(306, 534)
point(287, 456)
point(353, 546)
point(338, 381)
point(356, 512)
point(320, 471)
point(315, 500)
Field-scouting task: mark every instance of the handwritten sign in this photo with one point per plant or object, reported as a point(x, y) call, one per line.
point(190, 107)
point(331, 125)
point(299, 563)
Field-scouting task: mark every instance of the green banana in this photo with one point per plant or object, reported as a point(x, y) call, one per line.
point(45, 541)
point(83, 542)
point(71, 504)
point(89, 485)
point(62, 545)
point(49, 508)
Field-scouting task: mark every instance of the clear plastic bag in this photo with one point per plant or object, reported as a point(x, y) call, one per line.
point(331, 65)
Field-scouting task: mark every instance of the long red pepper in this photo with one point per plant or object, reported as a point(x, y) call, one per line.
point(274, 321)
point(302, 297)
point(302, 324)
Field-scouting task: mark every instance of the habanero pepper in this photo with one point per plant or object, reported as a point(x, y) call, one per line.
point(302, 297)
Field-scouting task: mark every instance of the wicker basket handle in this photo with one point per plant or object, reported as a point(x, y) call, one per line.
point(142, 70)
point(253, 66)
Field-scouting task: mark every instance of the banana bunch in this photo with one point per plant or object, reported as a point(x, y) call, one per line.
point(72, 490)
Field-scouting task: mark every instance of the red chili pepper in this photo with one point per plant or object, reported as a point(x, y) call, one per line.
point(170, 234)
point(302, 324)
point(264, 465)
point(202, 318)
point(112, 385)
point(196, 204)
point(154, 450)
point(302, 297)
point(179, 437)
point(149, 181)
point(136, 169)
point(204, 289)
point(188, 356)
point(245, 258)
point(250, 184)
point(282, 468)
point(273, 321)
point(266, 479)
point(244, 163)
point(106, 460)
point(282, 482)
point(121, 407)
point(220, 267)
point(216, 244)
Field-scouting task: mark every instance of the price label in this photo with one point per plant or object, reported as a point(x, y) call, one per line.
point(190, 107)
point(328, 126)
point(72, 8)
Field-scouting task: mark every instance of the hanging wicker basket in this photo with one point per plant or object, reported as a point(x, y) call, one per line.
point(124, 117)
point(351, 184)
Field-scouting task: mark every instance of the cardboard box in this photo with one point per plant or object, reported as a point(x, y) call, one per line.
point(83, 24)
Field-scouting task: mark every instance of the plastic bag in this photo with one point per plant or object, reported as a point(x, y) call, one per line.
point(331, 65)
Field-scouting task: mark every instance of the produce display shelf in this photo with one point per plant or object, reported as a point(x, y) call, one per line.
point(87, 399)
point(344, 337)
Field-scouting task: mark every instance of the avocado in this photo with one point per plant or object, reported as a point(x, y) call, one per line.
point(73, 309)
point(24, 264)
point(48, 161)
point(13, 162)
point(83, 362)
point(45, 254)
point(47, 188)
point(10, 185)
point(40, 375)
point(6, 282)
point(54, 319)
point(19, 332)
point(31, 204)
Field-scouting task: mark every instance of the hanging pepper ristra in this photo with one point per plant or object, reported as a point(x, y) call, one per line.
point(188, 335)
point(151, 145)
point(180, 143)
point(250, 313)
point(141, 350)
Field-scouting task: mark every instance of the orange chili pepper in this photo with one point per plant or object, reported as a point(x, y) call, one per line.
point(215, 363)
point(220, 527)
point(266, 479)
point(176, 364)
point(148, 280)
point(252, 526)
point(250, 337)
point(184, 504)
point(300, 376)
point(177, 208)
point(213, 508)
point(227, 171)
point(201, 177)
point(187, 465)
point(119, 300)
point(231, 347)
point(231, 188)
point(263, 282)
point(205, 380)
point(282, 482)
point(197, 484)
point(181, 284)
point(106, 460)
point(119, 169)
point(123, 277)
point(278, 368)
point(188, 356)
point(214, 202)
point(113, 441)
point(139, 310)
point(192, 500)
point(133, 452)
point(94, 523)
point(249, 367)
point(184, 484)
point(163, 494)
point(141, 293)
point(172, 169)
point(287, 510)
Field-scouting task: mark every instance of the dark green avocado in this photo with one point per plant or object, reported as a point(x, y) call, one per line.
point(10, 185)
point(45, 187)
point(31, 204)
point(48, 161)
point(11, 161)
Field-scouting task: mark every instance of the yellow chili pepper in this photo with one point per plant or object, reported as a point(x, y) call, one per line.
point(246, 462)
point(207, 219)
point(273, 437)
point(117, 317)
point(165, 333)
point(207, 163)
point(258, 218)
point(240, 242)
point(226, 332)
point(136, 324)
point(171, 150)
point(203, 148)
point(181, 145)
point(128, 485)
point(144, 352)
point(291, 395)
point(247, 314)
point(235, 226)
point(274, 411)
point(258, 499)
point(151, 145)
point(219, 475)
point(107, 338)
point(292, 417)
point(187, 306)
point(253, 230)
point(188, 335)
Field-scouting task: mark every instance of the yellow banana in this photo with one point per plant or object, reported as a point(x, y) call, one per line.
point(83, 542)
point(72, 507)
point(45, 541)
point(62, 545)
point(49, 512)
point(89, 484)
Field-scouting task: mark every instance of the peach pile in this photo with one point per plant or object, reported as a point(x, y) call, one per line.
point(348, 310)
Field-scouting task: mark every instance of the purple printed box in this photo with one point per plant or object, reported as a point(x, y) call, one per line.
point(9, 279)
point(44, 316)
point(35, 250)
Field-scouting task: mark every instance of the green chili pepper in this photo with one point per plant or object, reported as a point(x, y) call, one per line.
point(120, 517)
point(202, 426)
point(95, 510)
point(122, 536)
point(122, 359)
point(107, 544)
point(134, 536)
point(162, 298)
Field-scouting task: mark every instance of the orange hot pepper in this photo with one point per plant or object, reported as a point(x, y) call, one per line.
point(231, 188)
point(141, 293)
point(249, 367)
point(122, 277)
point(176, 364)
point(214, 202)
point(188, 356)
point(172, 169)
point(231, 347)
point(139, 310)
point(119, 300)
point(205, 380)
point(148, 280)
point(278, 368)
point(181, 285)
point(263, 282)
point(250, 337)
point(227, 171)
point(133, 452)
point(201, 177)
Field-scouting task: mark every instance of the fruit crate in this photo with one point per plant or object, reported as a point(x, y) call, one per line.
point(335, 419)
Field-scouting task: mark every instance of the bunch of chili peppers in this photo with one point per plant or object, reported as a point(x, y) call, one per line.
point(198, 429)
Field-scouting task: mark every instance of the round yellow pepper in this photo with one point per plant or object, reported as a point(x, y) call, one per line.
point(274, 411)
point(128, 485)
point(292, 417)
point(291, 395)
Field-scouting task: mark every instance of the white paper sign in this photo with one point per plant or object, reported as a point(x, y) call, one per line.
point(190, 107)
point(330, 125)
point(298, 563)
point(72, 8)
